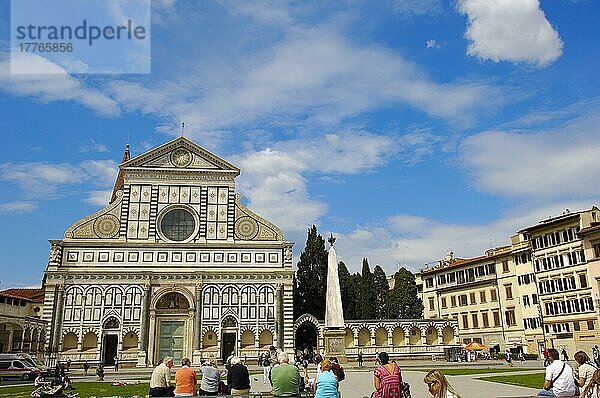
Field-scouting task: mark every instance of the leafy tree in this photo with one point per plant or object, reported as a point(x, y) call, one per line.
point(366, 294)
point(311, 277)
point(404, 300)
point(382, 292)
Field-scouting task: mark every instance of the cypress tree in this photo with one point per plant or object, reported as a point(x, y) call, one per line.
point(311, 277)
point(382, 290)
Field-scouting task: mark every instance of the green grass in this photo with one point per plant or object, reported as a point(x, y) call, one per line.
point(85, 390)
point(532, 380)
point(475, 371)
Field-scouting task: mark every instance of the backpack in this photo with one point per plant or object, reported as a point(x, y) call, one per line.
point(338, 371)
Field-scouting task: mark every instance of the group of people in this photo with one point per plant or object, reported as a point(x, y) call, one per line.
point(561, 380)
point(238, 379)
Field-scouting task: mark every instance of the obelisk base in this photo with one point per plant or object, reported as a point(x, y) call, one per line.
point(335, 345)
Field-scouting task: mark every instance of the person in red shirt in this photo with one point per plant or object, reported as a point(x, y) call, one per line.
point(185, 380)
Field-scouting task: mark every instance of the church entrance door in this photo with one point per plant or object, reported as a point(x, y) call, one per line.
point(110, 349)
point(306, 337)
point(227, 345)
point(170, 342)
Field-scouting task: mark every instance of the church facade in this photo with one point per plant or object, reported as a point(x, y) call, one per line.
point(174, 265)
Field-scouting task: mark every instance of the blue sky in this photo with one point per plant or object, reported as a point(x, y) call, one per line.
point(405, 127)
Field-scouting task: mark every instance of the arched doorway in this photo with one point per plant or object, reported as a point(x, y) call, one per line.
point(171, 308)
point(110, 342)
point(228, 337)
point(306, 337)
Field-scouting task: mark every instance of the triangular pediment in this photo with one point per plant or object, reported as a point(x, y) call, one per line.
point(181, 154)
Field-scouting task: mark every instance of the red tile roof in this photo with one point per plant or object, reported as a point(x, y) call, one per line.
point(589, 229)
point(33, 295)
point(454, 263)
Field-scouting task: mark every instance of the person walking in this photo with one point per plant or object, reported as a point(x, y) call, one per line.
point(585, 371)
point(327, 382)
point(359, 359)
point(508, 358)
point(565, 355)
point(285, 378)
point(266, 364)
point(211, 376)
point(86, 367)
point(438, 385)
point(238, 377)
point(116, 359)
point(185, 380)
point(160, 381)
point(386, 378)
point(559, 378)
point(546, 359)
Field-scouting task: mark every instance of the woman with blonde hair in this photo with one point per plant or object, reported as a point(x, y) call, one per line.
point(211, 376)
point(593, 388)
point(327, 382)
point(438, 385)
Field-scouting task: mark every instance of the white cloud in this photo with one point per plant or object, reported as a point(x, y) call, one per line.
point(18, 206)
point(43, 181)
point(541, 165)
point(313, 75)
point(510, 30)
point(417, 7)
point(26, 74)
point(99, 198)
point(275, 179)
point(93, 146)
point(432, 43)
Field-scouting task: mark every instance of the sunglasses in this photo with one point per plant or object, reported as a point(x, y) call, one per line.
point(431, 383)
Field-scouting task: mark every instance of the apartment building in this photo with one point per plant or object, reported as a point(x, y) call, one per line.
point(565, 276)
point(480, 293)
point(543, 290)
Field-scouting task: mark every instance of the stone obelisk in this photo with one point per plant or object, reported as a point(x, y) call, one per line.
point(334, 314)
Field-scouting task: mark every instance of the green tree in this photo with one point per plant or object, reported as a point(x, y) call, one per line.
point(311, 277)
point(366, 294)
point(404, 302)
point(382, 292)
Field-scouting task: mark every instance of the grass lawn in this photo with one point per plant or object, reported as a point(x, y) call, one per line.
point(85, 390)
point(475, 371)
point(533, 380)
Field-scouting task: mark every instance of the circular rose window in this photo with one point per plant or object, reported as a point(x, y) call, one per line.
point(177, 225)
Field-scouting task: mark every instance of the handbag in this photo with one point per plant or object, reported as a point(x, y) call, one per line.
point(404, 390)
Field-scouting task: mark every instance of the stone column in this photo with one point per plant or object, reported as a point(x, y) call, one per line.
point(151, 338)
point(56, 332)
point(142, 357)
point(197, 354)
point(279, 316)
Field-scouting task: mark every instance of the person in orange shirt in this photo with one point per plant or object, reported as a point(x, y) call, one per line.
point(185, 380)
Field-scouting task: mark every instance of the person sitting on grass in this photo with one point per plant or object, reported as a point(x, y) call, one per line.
point(559, 378)
point(438, 385)
point(160, 381)
point(185, 380)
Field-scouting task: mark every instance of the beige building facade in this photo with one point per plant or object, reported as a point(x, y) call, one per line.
point(21, 328)
point(174, 265)
point(540, 291)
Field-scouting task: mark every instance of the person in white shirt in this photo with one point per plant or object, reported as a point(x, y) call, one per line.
point(559, 378)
